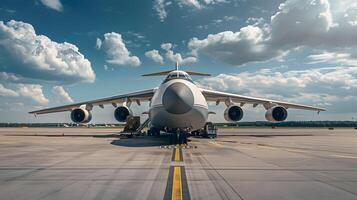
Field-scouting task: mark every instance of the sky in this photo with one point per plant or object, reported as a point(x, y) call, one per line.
point(55, 52)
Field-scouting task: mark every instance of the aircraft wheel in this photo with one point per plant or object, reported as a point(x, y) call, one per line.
point(184, 138)
point(180, 141)
point(173, 138)
point(154, 131)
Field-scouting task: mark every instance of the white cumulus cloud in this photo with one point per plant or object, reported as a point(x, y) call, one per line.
point(166, 46)
point(155, 56)
point(7, 92)
point(61, 94)
point(321, 86)
point(8, 77)
point(116, 50)
point(98, 43)
point(53, 4)
point(235, 48)
point(199, 4)
point(159, 7)
point(33, 92)
point(177, 57)
point(334, 57)
point(37, 57)
point(297, 23)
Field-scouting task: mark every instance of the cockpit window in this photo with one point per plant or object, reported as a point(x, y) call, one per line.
point(178, 76)
point(171, 76)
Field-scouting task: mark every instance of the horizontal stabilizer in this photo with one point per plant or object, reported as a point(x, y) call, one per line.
point(163, 73)
point(197, 73)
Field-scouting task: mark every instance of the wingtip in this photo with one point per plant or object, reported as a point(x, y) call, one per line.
point(34, 112)
point(321, 110)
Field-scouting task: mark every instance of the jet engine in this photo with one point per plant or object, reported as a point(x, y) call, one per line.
point(121, 113)
point(233, 113)
point(80, 115)
point(276, 114)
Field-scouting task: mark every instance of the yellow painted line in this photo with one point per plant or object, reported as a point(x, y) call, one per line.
point(342, 156)
point(177, 153)
point(177, 185)
point(7, 142)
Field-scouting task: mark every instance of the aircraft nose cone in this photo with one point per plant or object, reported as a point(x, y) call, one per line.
point(178, 98)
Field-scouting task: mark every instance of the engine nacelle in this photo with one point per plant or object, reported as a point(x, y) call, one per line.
point(233, 113)
point(121, 113)
point(80, 115)
point(276, 114)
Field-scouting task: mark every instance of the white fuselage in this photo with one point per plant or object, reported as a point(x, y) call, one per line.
point(178, 104)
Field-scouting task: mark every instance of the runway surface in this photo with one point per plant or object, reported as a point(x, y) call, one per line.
point(82, 163)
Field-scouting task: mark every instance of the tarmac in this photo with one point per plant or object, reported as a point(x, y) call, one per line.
point(242, 163)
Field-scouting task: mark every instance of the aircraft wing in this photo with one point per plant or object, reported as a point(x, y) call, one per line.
point(139, 96)
point(217, 96)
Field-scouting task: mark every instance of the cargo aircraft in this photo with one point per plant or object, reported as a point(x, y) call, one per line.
point(178, 105)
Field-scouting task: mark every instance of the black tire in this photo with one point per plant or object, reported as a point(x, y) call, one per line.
point(180, 138)
point(184, 138)
point(154, 131)
point(173, 138)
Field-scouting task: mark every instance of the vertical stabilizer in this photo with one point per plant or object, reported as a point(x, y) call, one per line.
point(177, 66)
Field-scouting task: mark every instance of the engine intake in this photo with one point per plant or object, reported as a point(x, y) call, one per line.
point(121, 113)
point(233, 113)
point(276, 114)
point(80, 115)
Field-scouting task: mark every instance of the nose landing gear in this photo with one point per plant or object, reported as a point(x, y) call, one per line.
point(180, 137)
point(176, 136)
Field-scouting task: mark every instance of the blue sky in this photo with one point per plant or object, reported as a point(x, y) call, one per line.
point(55, 52)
